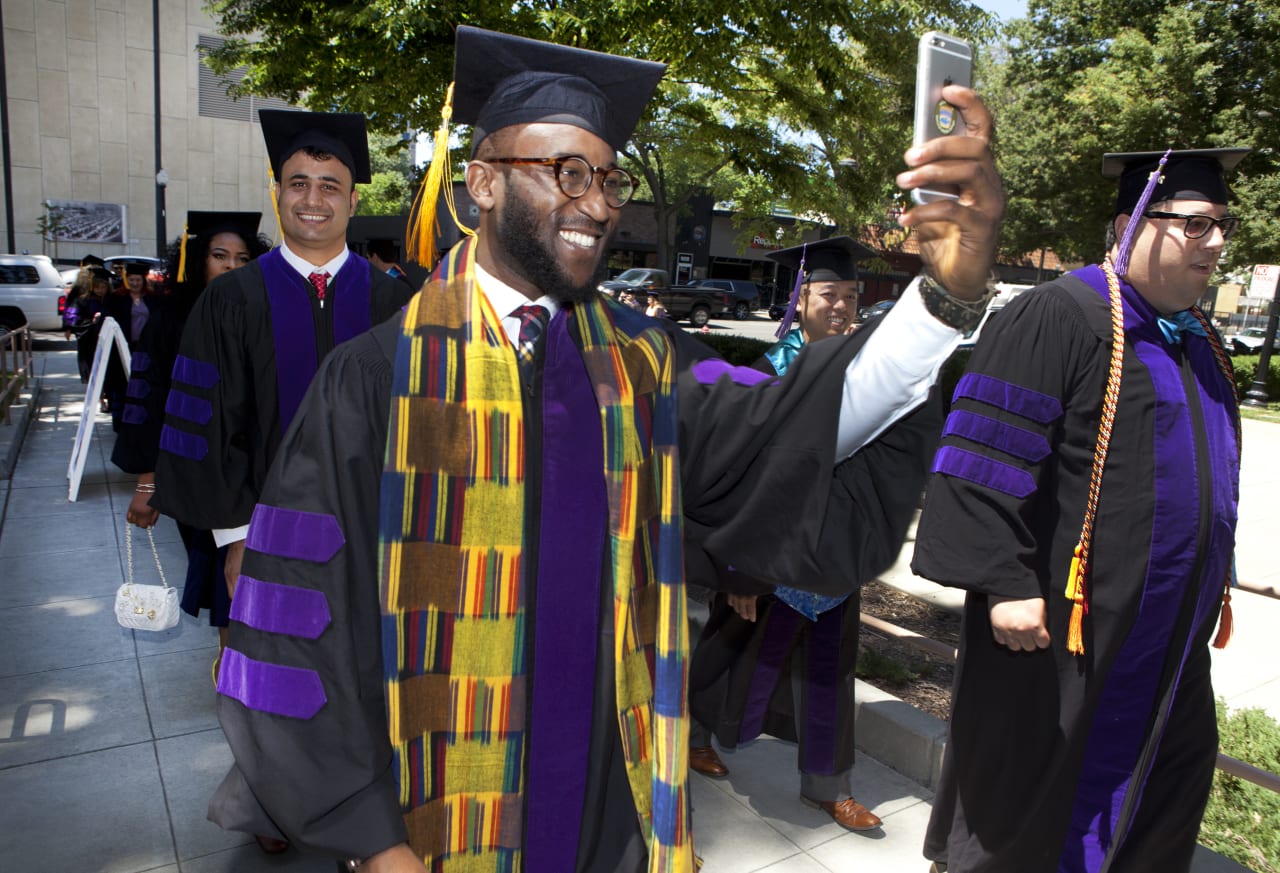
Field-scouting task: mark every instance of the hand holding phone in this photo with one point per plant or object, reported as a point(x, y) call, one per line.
point(944, 60)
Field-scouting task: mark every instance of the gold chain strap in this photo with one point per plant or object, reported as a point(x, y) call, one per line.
point(128, 549)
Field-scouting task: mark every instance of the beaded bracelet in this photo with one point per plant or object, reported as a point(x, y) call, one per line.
point(963, 315)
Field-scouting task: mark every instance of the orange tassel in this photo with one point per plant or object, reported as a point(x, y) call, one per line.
point(1075, 592)
point(1224, 621)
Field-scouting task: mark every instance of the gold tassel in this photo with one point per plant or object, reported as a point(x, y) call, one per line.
point(273, 196)
point(420, 235)
point(1075, 592)
point(1224, 620)
point(182, 255)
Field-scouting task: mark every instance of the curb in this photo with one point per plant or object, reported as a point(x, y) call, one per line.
point(897, 734)
point(11, 435)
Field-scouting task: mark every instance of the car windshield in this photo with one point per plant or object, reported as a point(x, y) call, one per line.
point(631, 275)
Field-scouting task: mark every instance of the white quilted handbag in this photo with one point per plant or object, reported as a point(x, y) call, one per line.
point(145, 607)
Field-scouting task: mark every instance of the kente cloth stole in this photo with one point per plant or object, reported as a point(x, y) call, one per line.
point(453, 586)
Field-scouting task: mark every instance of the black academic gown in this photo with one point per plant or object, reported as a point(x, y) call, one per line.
point(741, 672)
point(225, 417)
point(1101, 762)
point(325, 781)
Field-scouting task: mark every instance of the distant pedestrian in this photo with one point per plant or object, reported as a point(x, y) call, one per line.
point(655, 309)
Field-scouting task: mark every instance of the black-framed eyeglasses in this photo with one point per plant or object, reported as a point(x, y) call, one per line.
point(574, 175)
point(1198, 225)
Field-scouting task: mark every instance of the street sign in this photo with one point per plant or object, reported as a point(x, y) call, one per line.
point(1265, 277)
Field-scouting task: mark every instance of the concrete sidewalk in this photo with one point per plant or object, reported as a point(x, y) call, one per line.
point(110, 748)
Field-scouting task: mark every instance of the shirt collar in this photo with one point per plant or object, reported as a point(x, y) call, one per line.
point(505, 300)
point(305, 268)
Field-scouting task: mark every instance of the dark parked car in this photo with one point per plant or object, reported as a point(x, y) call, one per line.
point(875, 310)
point(744, 296)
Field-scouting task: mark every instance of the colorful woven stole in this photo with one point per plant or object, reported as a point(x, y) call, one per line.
point(452, 528)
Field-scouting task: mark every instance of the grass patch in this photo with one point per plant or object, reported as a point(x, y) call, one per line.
point(877, 665)
point(1242, 821)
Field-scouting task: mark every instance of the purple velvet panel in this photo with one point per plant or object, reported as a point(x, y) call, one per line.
point(1042, 408)
point(1010, 439)
point(182, 405)
point(994, 474)
point(822, 692)
point(567, 615)
point(185, 445)
point(709, 371)
point(293, 329)
point(280, 609)
point(280, 690)
point(139, 362)
point(137, 389)
point(351, 293)
point(189, 371)
point(133, 414)
point(294, 534)
point(779, 635)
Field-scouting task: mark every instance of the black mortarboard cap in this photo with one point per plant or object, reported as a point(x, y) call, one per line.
point(1192, 174)
point(341, 134)
point(384, 247)
point(101, 273)
point(92, 261)
point(827, 260)
point(135, 266)
point(206, 225)
point(501, 80)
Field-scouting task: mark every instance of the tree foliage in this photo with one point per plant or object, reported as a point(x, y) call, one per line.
point(1086, 77)
point(762, 100)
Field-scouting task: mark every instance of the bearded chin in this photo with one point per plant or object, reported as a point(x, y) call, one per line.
point(518, 237)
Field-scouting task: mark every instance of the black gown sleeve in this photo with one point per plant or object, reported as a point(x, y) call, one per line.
point(761, 488)
point(321, 779)
point(138, 439)
point(991, 497)
point(205, 472)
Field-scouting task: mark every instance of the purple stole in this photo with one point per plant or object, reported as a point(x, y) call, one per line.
point(567, 611)
point(1124, 717)
point(293, 323)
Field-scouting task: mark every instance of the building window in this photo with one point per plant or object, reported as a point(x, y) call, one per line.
point(214, 99)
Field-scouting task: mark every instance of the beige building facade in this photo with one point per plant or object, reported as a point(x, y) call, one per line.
point(81, 87)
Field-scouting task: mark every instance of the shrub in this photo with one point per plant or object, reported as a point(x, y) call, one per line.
point(1246, 366)
point(1242, 821)
point(741, 351)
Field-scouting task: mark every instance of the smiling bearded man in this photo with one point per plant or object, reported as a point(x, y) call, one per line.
point(460, 642)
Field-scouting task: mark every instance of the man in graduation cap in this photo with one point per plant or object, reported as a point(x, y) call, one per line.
point(459, 640)
point(257, 335)
point(1085, 497)
point(783, 663)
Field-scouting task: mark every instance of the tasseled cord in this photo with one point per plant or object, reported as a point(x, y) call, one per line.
point(785, 327)
point(182, 255)
point(420, 235)
point(1225, 626)
point(273, 196)
point(1126, 240)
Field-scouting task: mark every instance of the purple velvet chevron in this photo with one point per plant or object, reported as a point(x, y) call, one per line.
point(1002, 477)
point(291, 691)
point(280, 609)
point(185, 445)
point(139, 362)
point(709, 371)
point(192, 372)
point(292, 533)
point(185, 406)
point(137, 389)
point(133, 414)
point(1034, 405)
point(1010, 439)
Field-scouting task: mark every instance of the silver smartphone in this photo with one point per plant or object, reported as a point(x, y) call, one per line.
point(944, 60)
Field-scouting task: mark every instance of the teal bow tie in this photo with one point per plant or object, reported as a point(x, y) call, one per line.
point(1175, 325)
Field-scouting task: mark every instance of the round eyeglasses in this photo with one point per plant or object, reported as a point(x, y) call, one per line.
point(574, 175)
point(1198, 225)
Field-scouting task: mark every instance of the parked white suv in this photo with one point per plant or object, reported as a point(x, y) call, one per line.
point(31, 283)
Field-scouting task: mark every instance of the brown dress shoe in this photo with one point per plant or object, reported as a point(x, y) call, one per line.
point(271, 845)
point(704, 760)
point(848, 813)
point(938, 867)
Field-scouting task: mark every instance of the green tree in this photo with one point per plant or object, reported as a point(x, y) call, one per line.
point(1086, 77)
point(761, 96)
point(393, 178)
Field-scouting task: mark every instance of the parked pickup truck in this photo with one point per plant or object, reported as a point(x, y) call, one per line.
point(691, 302)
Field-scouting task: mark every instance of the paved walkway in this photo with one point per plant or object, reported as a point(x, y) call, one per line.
point(110, 749)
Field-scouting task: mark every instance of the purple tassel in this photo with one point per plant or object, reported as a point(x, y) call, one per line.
point(1126, 241)
point(785, 327)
